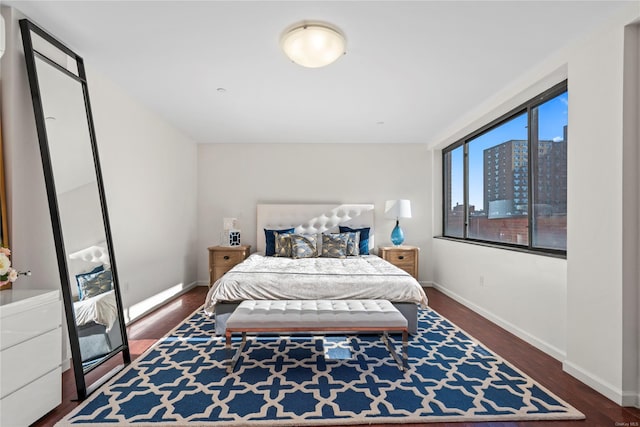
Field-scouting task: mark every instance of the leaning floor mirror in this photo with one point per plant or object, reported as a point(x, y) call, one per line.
point(78, 209)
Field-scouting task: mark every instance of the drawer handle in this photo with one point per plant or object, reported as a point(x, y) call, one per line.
point(401, 257)
point(226, 257)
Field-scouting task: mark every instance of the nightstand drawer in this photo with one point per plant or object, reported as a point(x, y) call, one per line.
point(408, 268)
point(218, 272)
point(398, 258)
point(224, 258)
point(227, 258)
point(403, 257)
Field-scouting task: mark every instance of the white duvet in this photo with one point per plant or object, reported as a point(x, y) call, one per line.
point(100, 309)
point(273, 278)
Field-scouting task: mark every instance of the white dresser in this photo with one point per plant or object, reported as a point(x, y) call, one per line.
point(30, 355)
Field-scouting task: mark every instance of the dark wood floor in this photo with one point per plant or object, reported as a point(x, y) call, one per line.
point(599, 410)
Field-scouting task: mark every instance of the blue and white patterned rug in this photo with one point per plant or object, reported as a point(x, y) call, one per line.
point(183, 381)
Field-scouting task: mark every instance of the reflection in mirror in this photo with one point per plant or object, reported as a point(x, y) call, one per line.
point(94, 304)
point(80, 213)
point(77, 204)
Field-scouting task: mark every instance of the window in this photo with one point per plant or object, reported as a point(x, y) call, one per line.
point(501, 143)
point(454, 219)
point(506, 183)
point(549, 222)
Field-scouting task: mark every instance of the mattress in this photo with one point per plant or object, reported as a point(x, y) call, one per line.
point(277, 278)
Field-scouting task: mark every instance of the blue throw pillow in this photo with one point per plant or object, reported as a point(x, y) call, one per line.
point(270, 240)
point(96, 284)
point(364, 237)
point(81, 278)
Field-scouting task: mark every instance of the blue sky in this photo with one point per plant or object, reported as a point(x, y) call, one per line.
point(552, 119)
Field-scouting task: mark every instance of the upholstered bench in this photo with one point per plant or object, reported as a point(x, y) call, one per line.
point(333, 316)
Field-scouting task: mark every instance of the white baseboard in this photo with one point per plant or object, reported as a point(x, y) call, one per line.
point(600, 385)
point(551, 350)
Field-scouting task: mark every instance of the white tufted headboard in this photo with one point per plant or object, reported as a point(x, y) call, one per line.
point(97, 254)
point(311, 219)
point(87, 259)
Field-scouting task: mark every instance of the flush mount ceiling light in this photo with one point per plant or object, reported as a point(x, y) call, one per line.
point(313, 45)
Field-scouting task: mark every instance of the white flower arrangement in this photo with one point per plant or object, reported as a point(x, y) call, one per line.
point(8, 274)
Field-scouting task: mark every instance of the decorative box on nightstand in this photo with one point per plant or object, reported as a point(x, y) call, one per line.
point(404, 257)
point(224, 258)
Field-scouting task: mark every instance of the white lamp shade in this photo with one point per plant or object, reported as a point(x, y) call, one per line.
point(394, 209)
point(313, 45)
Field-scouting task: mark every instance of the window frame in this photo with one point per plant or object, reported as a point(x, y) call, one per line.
point(532, 126)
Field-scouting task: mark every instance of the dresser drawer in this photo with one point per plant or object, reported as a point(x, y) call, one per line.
point(28, 361)
point(24, 325)
point(227, 258)
point(28, 404)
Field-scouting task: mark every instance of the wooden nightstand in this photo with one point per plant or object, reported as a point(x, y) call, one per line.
point(224, 258)
point(404, 257)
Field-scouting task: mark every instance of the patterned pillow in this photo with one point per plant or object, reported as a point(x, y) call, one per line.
point(304, 246)
point(95, 284)
point(269, 240)
point(335, 245)
point(364, 237)
point(81, 277)
point(353, 243)
point(282, 243)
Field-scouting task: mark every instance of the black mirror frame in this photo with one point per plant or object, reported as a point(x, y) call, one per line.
point(27, 27)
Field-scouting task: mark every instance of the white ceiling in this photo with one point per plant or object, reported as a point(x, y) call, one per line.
point(411, 69)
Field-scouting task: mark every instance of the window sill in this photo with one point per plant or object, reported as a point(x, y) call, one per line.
point(504, 247)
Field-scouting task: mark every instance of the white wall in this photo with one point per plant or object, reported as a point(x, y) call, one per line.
point(636, 51)
point(523, 293)
point(631, 216)
point(572, 309)
point(233, 178)
point(81, 217)
point(599, 270)
point(31, 238)
point(149, 172)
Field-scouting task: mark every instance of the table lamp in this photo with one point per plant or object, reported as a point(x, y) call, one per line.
point(396, 209)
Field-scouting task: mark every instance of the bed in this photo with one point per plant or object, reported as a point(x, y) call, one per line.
point(262, 277)
point(95, 308)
